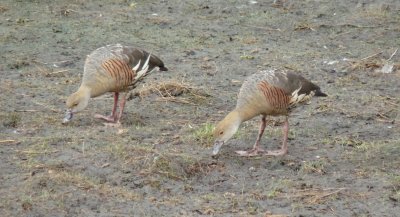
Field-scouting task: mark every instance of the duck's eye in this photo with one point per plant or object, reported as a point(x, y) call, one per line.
point(222, 132)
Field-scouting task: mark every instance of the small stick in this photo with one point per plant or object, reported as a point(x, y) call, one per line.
point(385, 120)
point(370, 56)
point(83, 148)
point(382, 116)
point(392, 103)
point(43, 63)
point(318, 197)
point(9, 141)
point(26, 110)
point(173, 99)
point(314, 190)
point(343, 33)
point(37, 152)
point(264, 28)
point(354, 25)
point(59, 71)
point(394, 53)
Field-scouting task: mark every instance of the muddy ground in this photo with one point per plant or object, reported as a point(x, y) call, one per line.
point(343, 150)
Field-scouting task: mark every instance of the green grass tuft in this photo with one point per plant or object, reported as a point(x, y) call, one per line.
point(204, 134)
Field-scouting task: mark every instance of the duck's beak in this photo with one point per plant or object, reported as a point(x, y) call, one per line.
point(217, 146)
point(68, 116)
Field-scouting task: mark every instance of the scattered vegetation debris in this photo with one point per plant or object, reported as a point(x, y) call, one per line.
point(65, 11)
point(262, 28)
point(275, 215)
point(314, 166)
point(3, 9)
point(12, 120)
point(303, 26)
point(170, 90)
point(247, 57)
point(27, 206)
point(50, 69)
point(167, 89)
point(19, 63)
point(157, 20)
point(374, 62)
point(201, 168)
point(9, 142)
point(133, 5)
point(178, 166)
point(204, 134)
point(315, 196)
point(388, 67)
point(22, 21)
point(249, 40)
point(395, 182)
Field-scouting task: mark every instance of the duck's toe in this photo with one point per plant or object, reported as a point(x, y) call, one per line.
point(110, 118)
point(250, 153)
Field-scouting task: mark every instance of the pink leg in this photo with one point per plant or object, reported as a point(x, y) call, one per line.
point(256, 149)
point(116, 96)
point(284, 148)
point(113, 116)
point(121, 107)
point(116, 118)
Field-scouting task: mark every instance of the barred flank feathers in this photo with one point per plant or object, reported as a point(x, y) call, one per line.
point(119, 71)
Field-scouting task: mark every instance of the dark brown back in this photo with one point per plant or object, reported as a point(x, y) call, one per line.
point(136, 54)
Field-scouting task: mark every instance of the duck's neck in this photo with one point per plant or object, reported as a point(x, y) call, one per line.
point(246, 113)
point(85, 91)
point(93, 90)
point(234, 118)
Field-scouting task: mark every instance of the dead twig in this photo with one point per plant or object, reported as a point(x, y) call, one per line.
point(354, 25)
point(367, 62)
point(26, 110)
point(10, 142)
point(264, 28)
point(391, 56)
point(59, 71)
point(346, 25)
point(37, 152)
point(320, 197)
point(55, 64)
point(304, 26)
point(314, 195)
point(387, 99)
point(370, 56)
point(174, 99)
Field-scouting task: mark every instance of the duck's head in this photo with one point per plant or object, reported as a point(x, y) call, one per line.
point(76, 103)
point(225, 130)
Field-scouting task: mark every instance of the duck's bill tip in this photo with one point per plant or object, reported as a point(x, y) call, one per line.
point(68, 116)
point(217, 147)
